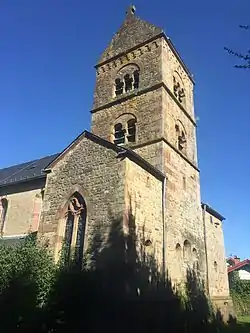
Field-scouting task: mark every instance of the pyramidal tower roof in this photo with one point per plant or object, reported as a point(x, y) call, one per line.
point(133, 32)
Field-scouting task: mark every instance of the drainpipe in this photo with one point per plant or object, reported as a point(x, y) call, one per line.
point(164, 185)
point(205, 243)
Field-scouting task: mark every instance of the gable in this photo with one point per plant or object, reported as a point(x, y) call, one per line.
point(118, 151)
point(81, 153)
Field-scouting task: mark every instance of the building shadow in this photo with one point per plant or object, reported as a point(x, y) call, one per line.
point(118, 287)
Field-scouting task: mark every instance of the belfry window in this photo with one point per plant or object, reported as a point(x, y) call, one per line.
point(119, 134)
point(127, 79)
point(75, 229)
point(125, 131)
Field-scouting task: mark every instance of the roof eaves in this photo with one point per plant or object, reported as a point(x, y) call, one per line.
point(22, 181)
point(88, 135)
point(121, 151)
point(239, 265)
point(211, 211)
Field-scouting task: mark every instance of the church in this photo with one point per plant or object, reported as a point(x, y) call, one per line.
point(139, 159)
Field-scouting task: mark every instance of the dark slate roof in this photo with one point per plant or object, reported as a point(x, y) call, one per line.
point(25, 171)
point(12, 240)
point(211, 211)
point(133, 32)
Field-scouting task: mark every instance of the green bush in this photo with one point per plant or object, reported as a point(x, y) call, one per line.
point(240, 292)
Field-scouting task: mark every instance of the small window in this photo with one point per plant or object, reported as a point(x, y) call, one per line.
point(131, 130)
point(178, 248)
point(215, 266)
point(187, 251)
point(119, 134)
point(184, 184)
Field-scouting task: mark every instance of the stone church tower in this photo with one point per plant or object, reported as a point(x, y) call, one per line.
point(144, 100)
point(139, 161)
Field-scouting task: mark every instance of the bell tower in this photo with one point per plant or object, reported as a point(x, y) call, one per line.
point(144, 100)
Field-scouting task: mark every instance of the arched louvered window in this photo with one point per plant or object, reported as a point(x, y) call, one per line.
point(131, 130)
point(119, 133)
point(75, 228)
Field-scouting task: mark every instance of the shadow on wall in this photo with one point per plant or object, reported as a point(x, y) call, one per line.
point(119, 290)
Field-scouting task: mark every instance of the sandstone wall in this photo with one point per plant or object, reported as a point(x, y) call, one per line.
point(217, 269)
point(96, 173)
point(143, 195)
point(24, 207)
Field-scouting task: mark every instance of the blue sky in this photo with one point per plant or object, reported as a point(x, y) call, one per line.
point(47, 52)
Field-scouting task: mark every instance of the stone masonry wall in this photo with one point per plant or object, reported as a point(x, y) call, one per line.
point(96, 173)
point(171, 66)
point(143, 194)
point(217, 270)
point(147, 110)
point(172, 115)
point(183, 216)
point(147, 58)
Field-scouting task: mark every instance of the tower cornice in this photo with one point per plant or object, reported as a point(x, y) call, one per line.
point(160, 35)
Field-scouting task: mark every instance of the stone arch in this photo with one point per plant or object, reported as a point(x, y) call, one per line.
point(124, 117)
point(128, 68)
point(62, 207)
point(195, 259)
point(178, 263)
point(187, 251)
point(178, 76)
point(72, 225)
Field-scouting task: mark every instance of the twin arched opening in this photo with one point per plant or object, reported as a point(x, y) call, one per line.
point(127, 79)
point(124, 130)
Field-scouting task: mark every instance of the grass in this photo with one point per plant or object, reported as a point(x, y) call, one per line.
point(243, 325)
point(244, 320)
